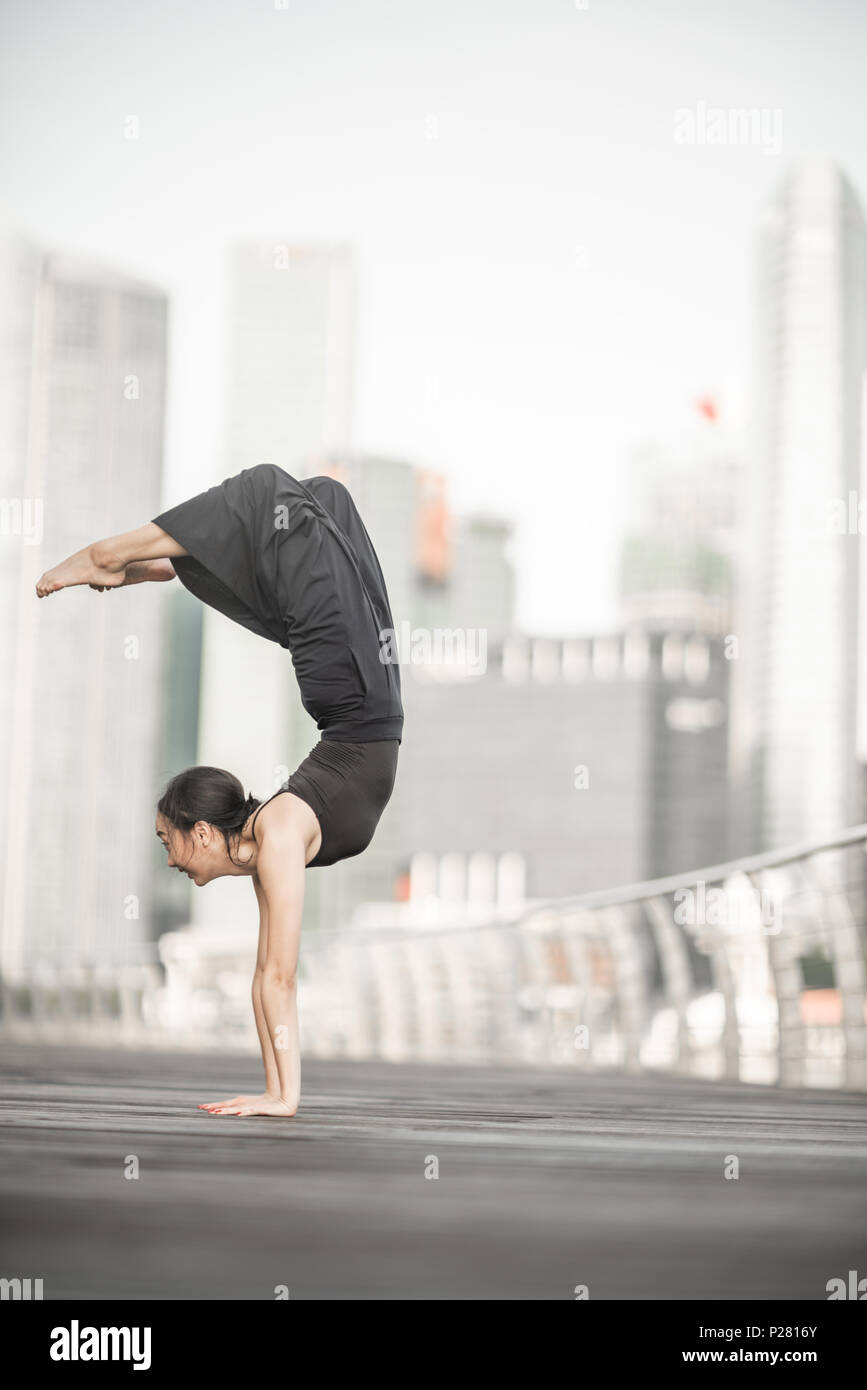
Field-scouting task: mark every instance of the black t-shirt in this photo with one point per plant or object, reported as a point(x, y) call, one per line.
point(293, 562)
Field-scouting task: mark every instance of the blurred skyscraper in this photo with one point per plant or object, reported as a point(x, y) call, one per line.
point(82, 378)
point(800, 615)
point(441, 571)
point(179, 737)
point(440, 568)
point(289, 393)
point(682, 514)
point(593, 761)
point(559, 765)
point(679, 567)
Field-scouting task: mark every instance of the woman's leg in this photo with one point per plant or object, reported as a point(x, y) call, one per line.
point(104, 562)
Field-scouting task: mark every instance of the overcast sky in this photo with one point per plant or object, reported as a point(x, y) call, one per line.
point(567, 274)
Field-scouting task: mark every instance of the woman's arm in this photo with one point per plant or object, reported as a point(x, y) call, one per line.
point(281, 872)
point(279, 884)
point(239, 1104)
point(269, 1058)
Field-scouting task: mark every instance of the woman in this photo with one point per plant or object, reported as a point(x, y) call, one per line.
point(294, 563)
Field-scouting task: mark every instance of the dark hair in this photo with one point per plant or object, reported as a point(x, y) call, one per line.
point(210, 794)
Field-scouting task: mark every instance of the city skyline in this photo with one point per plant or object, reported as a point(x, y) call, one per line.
point(289, 359)
point(800, 617)
point(549, 273)
point(433, 663)
point(82, 701)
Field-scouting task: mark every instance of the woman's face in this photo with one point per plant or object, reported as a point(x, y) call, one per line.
point(200, 854)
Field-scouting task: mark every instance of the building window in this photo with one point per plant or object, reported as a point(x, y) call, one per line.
point(516, 662)
point(696, 663)
point(606, 657)
point(76, 318)
point(636, 655)
point(576, 660)
point(481, 877)
point(673, 656)
point(144, 325)
point(546, 659)
point(511, 877)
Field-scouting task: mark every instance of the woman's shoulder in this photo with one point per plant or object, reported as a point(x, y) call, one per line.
point(287, 823)
point(283, 808)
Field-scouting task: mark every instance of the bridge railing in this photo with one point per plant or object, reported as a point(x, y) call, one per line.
point(752, 970)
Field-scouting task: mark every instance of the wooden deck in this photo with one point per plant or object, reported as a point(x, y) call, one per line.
point(547, 1180)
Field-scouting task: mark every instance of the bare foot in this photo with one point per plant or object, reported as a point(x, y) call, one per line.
point(142, 572)
point(235, 1101)
point(149, 572)
point(94, 565)
point(266, 1106)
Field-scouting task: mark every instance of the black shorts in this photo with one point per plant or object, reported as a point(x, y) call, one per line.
point(348, 785)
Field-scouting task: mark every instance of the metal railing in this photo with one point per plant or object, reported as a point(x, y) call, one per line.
point(753, 970)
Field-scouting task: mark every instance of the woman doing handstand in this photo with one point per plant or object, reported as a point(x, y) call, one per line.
point(292, 562)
